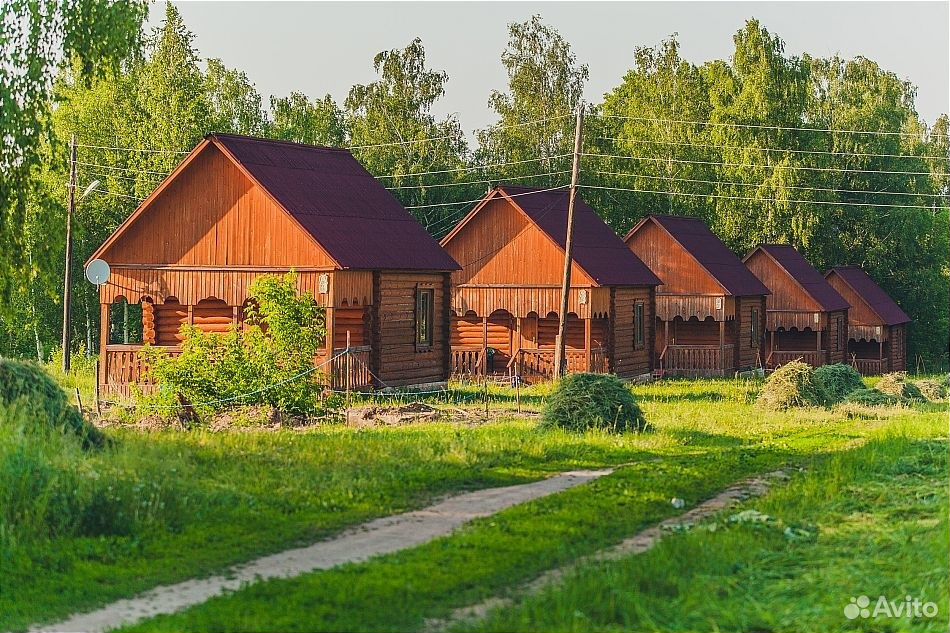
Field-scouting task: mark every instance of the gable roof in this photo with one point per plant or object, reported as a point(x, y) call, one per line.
point(356, 220)
point(811, 281)
point(872, 294)
point(711, 253)
point(597, 249)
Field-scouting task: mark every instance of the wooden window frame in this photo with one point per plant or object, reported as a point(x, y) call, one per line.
point(639, 325)
point(754, 329)
point(424, 339)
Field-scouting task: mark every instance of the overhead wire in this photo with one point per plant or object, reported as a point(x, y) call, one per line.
point(762, 126)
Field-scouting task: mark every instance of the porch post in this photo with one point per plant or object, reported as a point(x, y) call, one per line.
point(103, 343)
point(485, 346)
point(722, 351)
point(587, 343)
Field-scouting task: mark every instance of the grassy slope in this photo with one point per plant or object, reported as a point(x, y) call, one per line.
point(706, 437)
point(880, 515)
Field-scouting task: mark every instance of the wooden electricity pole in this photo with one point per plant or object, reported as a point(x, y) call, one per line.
point(560, 355)
point(67, 290)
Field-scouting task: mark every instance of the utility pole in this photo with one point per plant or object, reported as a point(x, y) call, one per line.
point(560, 355)
point(67, 289)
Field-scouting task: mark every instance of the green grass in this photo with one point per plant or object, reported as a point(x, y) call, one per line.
point(706, 439)
point(875, 523)
point(234, 496)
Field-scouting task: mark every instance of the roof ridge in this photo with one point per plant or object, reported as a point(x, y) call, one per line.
point(277, 141)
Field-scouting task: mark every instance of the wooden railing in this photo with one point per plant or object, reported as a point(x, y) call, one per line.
point(124, 367)
point(697, 360)
point(468, 362)
point(349, 368)
point(869, 366)
point(812, 357)
point(534, 365)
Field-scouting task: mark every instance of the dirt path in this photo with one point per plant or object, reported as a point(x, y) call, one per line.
point(637, 544)
point(382, 536)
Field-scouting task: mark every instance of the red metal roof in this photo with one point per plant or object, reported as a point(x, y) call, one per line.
point(872, 294)
point(805, 274)
point(711, 253)
point(347, 211)
point(597, 249)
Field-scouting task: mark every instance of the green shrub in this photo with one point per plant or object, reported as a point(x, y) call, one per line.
point(265, 363)
point(580, 402)
point(933, 390)
point(27, 383)
point(792, 385)
point(895, 384)
point(871, 398)
point(838, 380)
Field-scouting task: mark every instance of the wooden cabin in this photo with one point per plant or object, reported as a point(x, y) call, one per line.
point(710, 310)
point(805, 318)
point(239, 207)
point(506, 298)
point(877, 327)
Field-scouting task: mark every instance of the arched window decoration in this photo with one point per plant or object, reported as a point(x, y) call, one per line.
point(213, 316)
point(169, 317)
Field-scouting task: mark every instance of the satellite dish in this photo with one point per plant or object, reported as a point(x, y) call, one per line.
point(97, 272)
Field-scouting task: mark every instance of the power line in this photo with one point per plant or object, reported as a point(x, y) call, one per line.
point(113, 193)
point(119, 176)
point(762, 127)
point(474, 167)
point(752, 184)
point(712, 195)
point(125, 169)
point(795, 167)
point(452, 136)
point(510, 195)
point(134, 149)
point(479, 182)
point(767, 149)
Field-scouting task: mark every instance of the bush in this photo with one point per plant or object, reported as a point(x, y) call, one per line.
point(838, 380)
point(896, 385)
point(792, 385)
point(933, 390)
point(266, 363)
point(27, 384)
point(871, 398)
point(580, 402)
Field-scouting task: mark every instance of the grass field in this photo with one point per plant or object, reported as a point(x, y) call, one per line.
point(166, 506)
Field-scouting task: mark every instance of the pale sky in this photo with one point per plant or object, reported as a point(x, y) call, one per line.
point(320, 48)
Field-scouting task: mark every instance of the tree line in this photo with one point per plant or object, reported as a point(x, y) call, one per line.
point(828, 154)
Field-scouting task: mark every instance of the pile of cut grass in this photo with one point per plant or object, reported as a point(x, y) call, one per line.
point(792, 385)
point(896, 384)
point(838, 380)
point(584, 402)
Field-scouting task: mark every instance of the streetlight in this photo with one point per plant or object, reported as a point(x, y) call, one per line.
point(67, 284)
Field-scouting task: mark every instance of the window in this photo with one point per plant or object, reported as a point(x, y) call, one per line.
point(754, 330)
point(425, 315)
point(638, 326)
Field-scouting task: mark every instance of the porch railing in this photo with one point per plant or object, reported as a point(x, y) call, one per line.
point(468, 361)
point(869, 366)
point(349, 368)
point(697, 360)
point(778, 358)
point(533, 365)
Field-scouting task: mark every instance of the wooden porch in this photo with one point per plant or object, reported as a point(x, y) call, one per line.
point(869, 366)
point(697, 360)
point(471, 363)
point(123, 372)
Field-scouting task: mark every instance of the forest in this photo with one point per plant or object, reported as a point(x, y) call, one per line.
point(827, 154)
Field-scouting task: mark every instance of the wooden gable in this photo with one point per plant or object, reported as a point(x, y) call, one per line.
point(860, 312)
point(499, 245)
point(209, 213)
point(679, 271)
point(787, 293)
